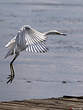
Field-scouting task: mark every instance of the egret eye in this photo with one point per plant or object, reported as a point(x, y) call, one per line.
point(27, 28)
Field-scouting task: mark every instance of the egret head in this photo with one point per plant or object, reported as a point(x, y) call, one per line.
point(60, 33)
point(25, 27)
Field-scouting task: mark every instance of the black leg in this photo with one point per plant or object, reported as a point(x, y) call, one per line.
point(11, 76)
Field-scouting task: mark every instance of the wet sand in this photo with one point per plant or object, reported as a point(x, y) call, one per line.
point(64, 103)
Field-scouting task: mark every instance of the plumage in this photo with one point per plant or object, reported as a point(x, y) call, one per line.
point(27, 39)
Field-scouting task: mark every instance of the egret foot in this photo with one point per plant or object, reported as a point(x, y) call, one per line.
point(10, 78)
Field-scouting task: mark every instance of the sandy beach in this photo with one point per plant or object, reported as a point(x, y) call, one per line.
point(64, 103)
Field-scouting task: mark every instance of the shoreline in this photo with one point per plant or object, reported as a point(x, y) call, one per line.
point(61, 103)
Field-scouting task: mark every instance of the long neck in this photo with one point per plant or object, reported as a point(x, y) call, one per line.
point(53, 32)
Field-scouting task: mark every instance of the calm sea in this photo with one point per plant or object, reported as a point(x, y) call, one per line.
point(56, 73)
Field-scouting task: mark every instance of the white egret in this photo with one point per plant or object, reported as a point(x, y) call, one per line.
point(27, 39)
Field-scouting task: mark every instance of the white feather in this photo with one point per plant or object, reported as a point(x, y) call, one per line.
point(11, 43)
point(30, 40)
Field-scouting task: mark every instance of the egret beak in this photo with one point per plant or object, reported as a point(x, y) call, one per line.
point(59, 33)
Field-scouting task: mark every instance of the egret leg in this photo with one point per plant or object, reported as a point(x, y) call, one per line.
point(11, 76)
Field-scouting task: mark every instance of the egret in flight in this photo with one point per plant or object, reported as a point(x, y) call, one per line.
point(27, 39)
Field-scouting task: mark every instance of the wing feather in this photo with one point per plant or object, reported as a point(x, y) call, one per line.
point(35, 41)
point(11, 43)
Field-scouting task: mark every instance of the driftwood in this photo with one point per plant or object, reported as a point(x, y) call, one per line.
point(64, 103)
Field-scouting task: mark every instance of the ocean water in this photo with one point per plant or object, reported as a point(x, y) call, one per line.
point(56, 73)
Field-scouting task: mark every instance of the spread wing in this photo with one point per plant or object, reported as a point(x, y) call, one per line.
point(35, 41)
point(11, 43)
